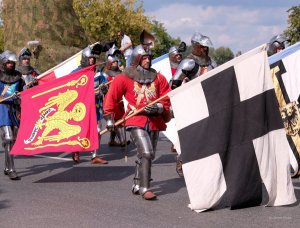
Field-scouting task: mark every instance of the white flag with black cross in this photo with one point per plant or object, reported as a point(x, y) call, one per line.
point(232, 137)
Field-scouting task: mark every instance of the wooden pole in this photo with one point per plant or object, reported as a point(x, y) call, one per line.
point(133, 113)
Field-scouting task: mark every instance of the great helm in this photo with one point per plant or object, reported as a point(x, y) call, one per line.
point(278, 41)
point(147, 43)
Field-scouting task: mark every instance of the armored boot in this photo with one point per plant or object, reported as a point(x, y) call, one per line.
point(9, 165)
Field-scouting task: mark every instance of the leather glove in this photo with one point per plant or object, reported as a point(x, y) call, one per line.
point(154, 109)
point(175, 83)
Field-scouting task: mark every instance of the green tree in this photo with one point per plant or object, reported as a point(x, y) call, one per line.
point(221, 55)
point(293, 30)
point(102, 20)
point(163, 40)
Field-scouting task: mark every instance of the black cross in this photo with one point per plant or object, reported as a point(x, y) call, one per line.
point(229, 131)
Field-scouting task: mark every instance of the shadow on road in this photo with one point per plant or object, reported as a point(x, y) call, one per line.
point(168, 186)
point(90, 174)
point(36, 169)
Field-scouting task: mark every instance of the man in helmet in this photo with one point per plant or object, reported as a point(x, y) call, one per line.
point(11, 82)
point(196, 64)
point(277, 44)
point(110, 71)
point(175, 58)
point(29, 73)
point(140, 85)
point(88, 58)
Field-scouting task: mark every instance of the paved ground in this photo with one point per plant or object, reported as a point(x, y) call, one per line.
point(55, 193)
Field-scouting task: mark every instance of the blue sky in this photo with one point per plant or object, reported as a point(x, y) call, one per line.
point(237, 24)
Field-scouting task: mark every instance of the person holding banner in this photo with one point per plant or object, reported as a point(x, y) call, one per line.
point(11, 83)
point(29, 73)
point(89, 59)
point(140, 85)
point(194, 65)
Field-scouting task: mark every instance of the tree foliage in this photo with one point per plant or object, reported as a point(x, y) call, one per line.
point(221, 55)
point(293, 30)
point(102, 19)
point(163, 40)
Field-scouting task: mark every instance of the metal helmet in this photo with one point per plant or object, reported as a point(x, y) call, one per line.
point(277, 42)
point(147, 40)
point(173, 51)
point(112, 56)
point(138, 53)
point(8, 56)
point(198, 38)
point(86, 54)
point(24, 53)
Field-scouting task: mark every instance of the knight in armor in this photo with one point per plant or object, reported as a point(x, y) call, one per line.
point(140, 85)
point(88, 58)
point(110, 71)
point(175, 58)
point(277, 44)
point(11, 83)
point(29, 73)
point(194, 65)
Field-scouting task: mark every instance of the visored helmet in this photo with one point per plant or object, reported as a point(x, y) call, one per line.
point(86, 54)
point(112, 56)
point(198, 38)
point(277, 42)
point(147, 40)
point(24, 53)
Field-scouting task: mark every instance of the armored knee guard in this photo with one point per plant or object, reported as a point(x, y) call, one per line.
point(143, 165)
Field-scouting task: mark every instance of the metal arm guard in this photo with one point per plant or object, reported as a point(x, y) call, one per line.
point(187, 68)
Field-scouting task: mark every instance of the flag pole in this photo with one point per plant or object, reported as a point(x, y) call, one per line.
point(6, 98)
point(133, 113)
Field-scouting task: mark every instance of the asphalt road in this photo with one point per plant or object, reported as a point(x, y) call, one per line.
point(53, 192)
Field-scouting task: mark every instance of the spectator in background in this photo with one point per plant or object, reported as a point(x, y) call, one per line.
point(126, 47)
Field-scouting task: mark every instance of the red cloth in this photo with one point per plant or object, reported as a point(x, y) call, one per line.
point(173, 70)
point(59, 116)
point(137, 98)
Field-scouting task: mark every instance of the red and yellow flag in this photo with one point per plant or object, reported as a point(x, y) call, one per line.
point(59, 116)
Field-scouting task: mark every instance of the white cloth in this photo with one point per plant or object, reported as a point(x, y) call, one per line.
point(124, 42)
